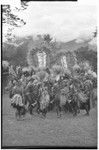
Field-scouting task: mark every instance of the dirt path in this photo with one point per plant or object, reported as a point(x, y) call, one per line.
point(64, 131)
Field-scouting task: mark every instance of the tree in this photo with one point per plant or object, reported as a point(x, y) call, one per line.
point(86, 54)
point(95, 33)
point(47, 38)
point(12, 20)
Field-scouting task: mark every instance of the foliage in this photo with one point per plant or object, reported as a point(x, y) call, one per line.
point(42, 75)
point(84, 54)
point(14, 54)
point(57, 69)
point(10, 18)
point(20, 52)
point(47, 38)
point(38, 45)
point(95, 33)
point(85, 66)
point(76, 67)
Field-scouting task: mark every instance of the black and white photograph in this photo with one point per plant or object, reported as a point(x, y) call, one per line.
point(49, 75)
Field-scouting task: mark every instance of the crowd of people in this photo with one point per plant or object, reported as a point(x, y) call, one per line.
point(49, 89)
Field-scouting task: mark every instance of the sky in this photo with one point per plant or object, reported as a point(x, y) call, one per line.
point(63, 21)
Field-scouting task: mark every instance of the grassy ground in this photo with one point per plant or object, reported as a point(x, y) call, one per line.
point(64, 131)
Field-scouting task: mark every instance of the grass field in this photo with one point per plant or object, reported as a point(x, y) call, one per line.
point(34, 130)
